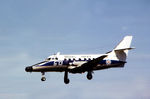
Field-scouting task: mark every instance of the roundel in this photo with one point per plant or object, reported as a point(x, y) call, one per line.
point(108, 62)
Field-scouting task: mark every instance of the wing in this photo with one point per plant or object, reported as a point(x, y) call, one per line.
point(87, 66)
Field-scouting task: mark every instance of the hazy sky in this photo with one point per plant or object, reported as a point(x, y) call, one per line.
point(31, 30)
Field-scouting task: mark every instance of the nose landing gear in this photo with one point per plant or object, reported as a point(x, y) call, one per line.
point(43, 78)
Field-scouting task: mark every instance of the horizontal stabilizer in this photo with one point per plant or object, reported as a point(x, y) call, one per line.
point(124, 49)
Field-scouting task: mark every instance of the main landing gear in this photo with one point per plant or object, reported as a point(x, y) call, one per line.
point(43, 78)
point(89, 75)
point(66, 79)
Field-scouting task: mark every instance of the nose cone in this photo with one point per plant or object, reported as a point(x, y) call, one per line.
point(29, 69)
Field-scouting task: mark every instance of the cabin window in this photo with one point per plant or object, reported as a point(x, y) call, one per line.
point(56, 58)
point(85, 59)
point(79, 59)
point(69, 59)
point(89, 59)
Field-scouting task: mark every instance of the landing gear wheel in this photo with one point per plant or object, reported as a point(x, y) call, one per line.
point(66, 81)
point(89, 76)
point(43, 79)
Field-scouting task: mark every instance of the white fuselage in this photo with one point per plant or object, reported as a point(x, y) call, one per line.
point(59, 63)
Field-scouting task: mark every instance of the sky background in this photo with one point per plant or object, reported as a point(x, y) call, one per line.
point(31, 30)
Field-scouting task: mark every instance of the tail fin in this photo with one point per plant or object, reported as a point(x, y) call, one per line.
point(124, 45)
point(120, 52)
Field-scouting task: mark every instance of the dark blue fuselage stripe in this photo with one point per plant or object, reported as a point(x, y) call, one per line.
point(66, 62)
